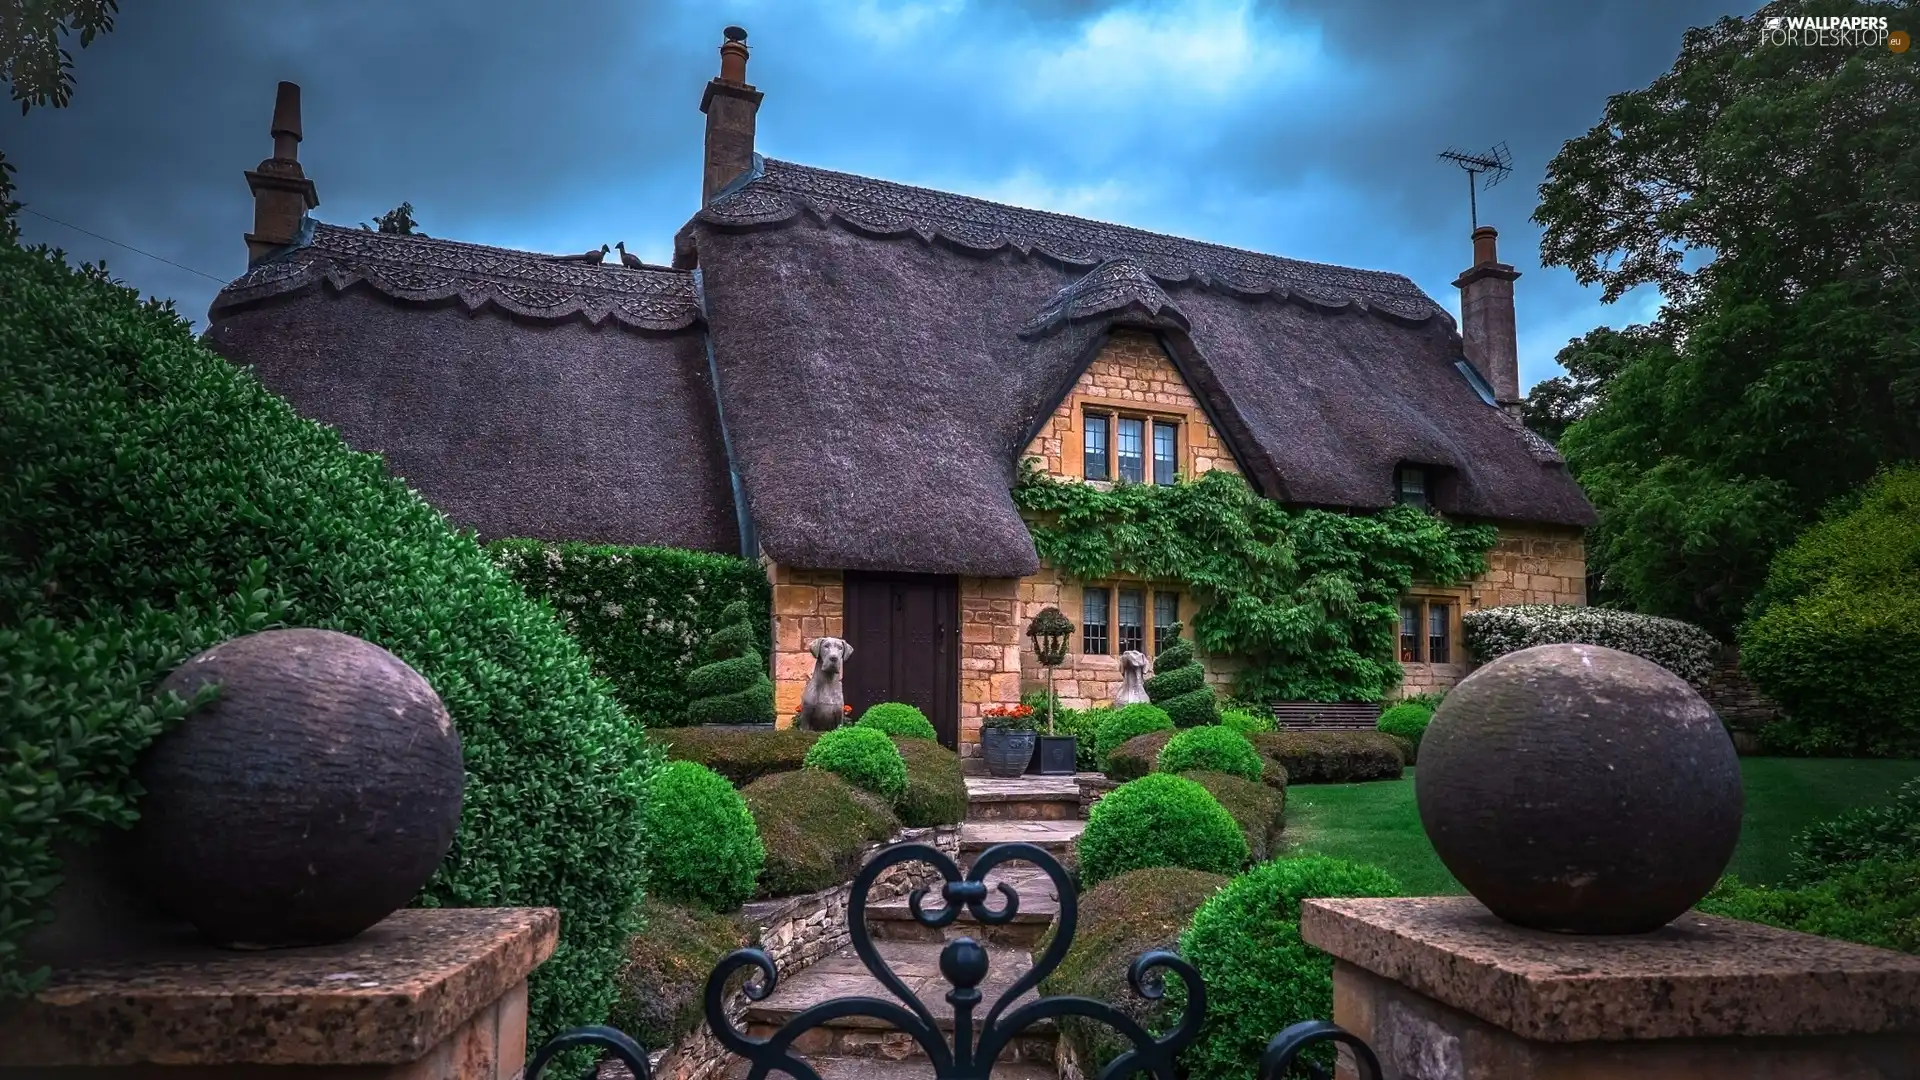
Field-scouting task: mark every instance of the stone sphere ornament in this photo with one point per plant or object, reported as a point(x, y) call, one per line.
point(1580, 789)
point(310, 800)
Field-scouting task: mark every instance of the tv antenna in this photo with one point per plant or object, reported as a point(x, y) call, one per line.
point(1496, 165)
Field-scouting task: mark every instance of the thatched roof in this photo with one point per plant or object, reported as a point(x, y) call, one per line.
point(521, 396)
point(883, 353)
point(886, 352)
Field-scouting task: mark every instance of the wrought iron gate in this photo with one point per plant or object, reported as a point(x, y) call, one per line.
point(976, 1042)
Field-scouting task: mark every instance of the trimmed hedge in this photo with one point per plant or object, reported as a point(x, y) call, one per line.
point(665, 978)
point(936, 792)
point(702, 847)
point(645, 616)
point(1247, 721)
point(814, 826)
point(740, 756)
point(1260, 977)
point(1259, 810)
point(1179, 684)
point(1125, 723)
point(732, 687)
point(1837, 625)
point(1121, 919)
point(1213, 748)
point(1158, 820)
point(863, 757)
point(1333, 757)
point(1682, 648)
point(159, 500)
point(1873, 903)
point(1138, 756)
point(900, 720)
point(1407, 720)
point(1886, 833)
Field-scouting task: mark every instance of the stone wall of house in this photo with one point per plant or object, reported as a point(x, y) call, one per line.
point(807, 604)
point(796, 931)
point(1529, 564)
point(1131, 374)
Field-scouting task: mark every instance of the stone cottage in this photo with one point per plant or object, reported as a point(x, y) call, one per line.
point(839, 375)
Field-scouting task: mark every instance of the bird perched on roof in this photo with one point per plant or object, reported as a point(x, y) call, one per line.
point(595, 257)
point(628, 259)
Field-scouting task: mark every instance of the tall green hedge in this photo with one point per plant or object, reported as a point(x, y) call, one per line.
point(643, 614)
point(1833, 634)
point(156, 500)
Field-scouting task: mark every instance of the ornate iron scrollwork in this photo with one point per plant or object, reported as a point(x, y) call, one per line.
point(976, 1041)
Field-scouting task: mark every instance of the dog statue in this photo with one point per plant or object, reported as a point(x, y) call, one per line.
point(823, 703)
point(1133, 686)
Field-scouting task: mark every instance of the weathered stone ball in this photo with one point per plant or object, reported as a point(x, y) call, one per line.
point(1580, 789)
point(310, 800)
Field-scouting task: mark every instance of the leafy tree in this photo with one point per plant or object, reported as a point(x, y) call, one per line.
point(1592, 362)
point(397, 222)
point(1772, 194)
point(32, 62)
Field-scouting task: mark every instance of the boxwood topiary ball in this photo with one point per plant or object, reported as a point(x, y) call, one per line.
point(1580, 789)
point(311, 799)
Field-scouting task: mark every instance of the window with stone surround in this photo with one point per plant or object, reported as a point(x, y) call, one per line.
point(1118, 617)
point(1426, 631)
point(1093, 622)
point(1138, 448)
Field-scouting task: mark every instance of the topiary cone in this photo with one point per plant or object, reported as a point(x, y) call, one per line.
point(1179, 684)
point(732, 687)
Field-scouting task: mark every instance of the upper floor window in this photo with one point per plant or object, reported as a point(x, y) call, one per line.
point(1136, 449)
point(1413, 485)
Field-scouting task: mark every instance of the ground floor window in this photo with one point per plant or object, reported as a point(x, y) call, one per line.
point(1117, 618)
point(1426, 631)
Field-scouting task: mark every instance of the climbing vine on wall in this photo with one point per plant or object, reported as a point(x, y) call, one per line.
point(1309, 598)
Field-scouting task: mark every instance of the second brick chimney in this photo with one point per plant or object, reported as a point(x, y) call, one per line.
point(1486, 318)
point(731, 105)
point(282, 194)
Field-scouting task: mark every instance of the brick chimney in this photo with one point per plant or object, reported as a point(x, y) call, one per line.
point(730, 104)
point(1486, 318)
point(282, 194)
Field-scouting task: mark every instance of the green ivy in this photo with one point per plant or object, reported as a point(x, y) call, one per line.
point(1309, 598)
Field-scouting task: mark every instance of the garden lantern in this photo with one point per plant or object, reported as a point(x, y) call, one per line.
point(1050, 631)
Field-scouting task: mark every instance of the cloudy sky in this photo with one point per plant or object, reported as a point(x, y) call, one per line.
point(1305, 128)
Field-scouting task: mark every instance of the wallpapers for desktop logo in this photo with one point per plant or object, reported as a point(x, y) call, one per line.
point(1854, 31)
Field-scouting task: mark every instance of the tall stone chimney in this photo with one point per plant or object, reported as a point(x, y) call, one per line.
point(1486, 318)
point(282, 194)
point(731, 105)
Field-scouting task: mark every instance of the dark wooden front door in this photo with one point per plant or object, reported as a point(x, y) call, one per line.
point(905, 633)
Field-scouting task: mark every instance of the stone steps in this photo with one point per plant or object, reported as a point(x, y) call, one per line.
point(1026, 798)
point(894, 921)
point(1055, 837)
point(861, 1037)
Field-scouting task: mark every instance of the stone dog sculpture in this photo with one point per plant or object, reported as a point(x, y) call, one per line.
point(1133, 687)
point(823, 704)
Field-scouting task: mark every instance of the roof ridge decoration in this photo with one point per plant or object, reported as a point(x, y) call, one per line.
point(775, 191)
point(1115, 285)
point(425, 270)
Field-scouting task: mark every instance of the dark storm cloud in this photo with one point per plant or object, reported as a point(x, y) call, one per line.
point(1307, 128)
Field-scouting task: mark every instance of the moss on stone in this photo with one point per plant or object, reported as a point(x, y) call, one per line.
point(1136, 757)
point(740, 756)
point(936, 788)
point(814, 826)
point(666, 971)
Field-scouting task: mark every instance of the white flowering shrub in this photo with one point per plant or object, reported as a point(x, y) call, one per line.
point(1682, 648)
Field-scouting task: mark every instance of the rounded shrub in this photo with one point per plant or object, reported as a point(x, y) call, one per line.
point(1333, 757)
point(732, 687)
point(165, 501)
point(1260, 977)
point(1407, 720)
point(1158, 820)
point(895, 718)
point(1259, 809)
point(1084, 726)
point(1179, 683)
point(1246, 721)
point(1213, 748)
point(1682, 648)
point(740, 756)
point(1125, 723)
point(1137, 757)
point(863, 757)
point(815, 827)
point(702, 846)
point(936, 792)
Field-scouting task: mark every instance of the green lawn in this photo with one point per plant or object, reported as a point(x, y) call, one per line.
point(1378, 823)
